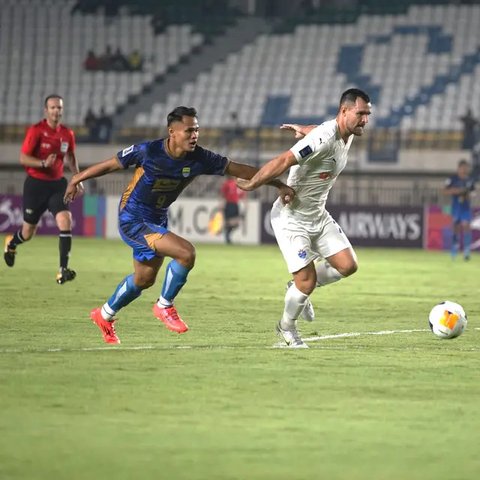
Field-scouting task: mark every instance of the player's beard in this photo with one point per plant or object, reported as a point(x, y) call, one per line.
point(358, 130)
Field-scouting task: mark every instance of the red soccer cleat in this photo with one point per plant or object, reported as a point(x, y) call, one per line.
point(107, 328)
point(169, 316)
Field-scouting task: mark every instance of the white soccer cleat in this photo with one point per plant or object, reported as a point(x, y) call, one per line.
point(308, 313)
point(291, 337)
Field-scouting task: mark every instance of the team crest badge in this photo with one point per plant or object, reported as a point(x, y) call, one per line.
point(302, 254)
point(186, 171)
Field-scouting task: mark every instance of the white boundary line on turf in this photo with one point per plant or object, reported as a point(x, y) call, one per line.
point(205, 347)
point(352, 334)
point(358, 334)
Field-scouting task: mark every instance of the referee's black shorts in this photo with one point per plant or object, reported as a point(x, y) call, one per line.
point(231, 210)
point(40, 195)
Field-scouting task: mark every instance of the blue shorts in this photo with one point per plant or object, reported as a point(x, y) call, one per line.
point(461, 215)
point(141, 235)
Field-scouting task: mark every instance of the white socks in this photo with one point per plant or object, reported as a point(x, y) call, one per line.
point(107, 312)
point(164, 303)
point(295, 300)
point(326, 274)
point(294, 304)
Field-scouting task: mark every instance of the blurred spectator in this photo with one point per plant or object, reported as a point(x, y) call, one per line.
point(158, 22)
point(135, 61)
point(469, 130)
point(118, 61)
point(90, 122)
point(113, 61)
point(106, 61)
point(92, 62)
point(104, 127)
point(233, 130)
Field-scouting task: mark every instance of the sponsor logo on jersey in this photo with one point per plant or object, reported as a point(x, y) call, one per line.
point(46, 145)
point(304, 152)
point(186, 171)
point(324, 175)
point(302, 254)
point(165, 185)
point(64, 147)
point(127, 150)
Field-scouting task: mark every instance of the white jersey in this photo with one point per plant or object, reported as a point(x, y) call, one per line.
point(321, 157)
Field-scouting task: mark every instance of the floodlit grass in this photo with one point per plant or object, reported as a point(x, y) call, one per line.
point(218, 402)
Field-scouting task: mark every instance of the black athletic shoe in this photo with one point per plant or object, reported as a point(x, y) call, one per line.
point(65, 275)
point(9, 253)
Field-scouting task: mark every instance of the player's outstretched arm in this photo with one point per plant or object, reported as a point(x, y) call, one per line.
point(269, 172)
point(300, 130)
point(72, 163)
point(97, 170)
point(244, 173)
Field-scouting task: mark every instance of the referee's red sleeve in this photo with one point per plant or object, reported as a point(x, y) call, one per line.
point(30, 141)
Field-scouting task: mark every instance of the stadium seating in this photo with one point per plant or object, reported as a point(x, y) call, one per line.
point(44, 45)
point(422, 69)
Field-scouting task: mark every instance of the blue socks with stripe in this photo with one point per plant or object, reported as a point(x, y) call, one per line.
point(175, 279)
point(125, 293)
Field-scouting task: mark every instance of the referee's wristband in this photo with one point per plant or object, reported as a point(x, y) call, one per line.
point(43, 163)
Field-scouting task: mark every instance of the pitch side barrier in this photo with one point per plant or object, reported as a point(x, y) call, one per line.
point(197, 220)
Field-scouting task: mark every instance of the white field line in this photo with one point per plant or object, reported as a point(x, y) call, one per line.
point(359, 334)
point(205, 347)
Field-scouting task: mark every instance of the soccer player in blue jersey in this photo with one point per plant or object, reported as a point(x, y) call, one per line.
point(163, 168)
point(459, 187)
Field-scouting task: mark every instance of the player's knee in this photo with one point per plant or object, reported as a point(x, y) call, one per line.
point(144, 281)
point(187, 257)
point(306, 286)
point(349, 269)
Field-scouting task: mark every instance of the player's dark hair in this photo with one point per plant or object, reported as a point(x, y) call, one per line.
point(177, 113)
point(53, 95)
point(463, 162)
point(352, 94)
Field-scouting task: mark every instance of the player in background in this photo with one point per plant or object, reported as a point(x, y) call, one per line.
point(459, 187)
point(163, 168)
point(304, 230)
point(231, 195)
point(45, 147)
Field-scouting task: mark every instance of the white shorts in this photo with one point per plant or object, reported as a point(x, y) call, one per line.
point(304, 240)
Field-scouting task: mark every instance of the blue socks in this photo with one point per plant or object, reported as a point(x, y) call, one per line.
point(125, 293)
point(467, 242)
point(175, 279)
point(454, 246)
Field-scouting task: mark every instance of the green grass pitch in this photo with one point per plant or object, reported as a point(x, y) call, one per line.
point(219, 402)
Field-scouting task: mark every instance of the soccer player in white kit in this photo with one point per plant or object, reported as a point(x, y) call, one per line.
point(304, 230)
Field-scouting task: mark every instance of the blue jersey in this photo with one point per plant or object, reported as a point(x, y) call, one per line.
point(460, 202)
point(159, 179)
